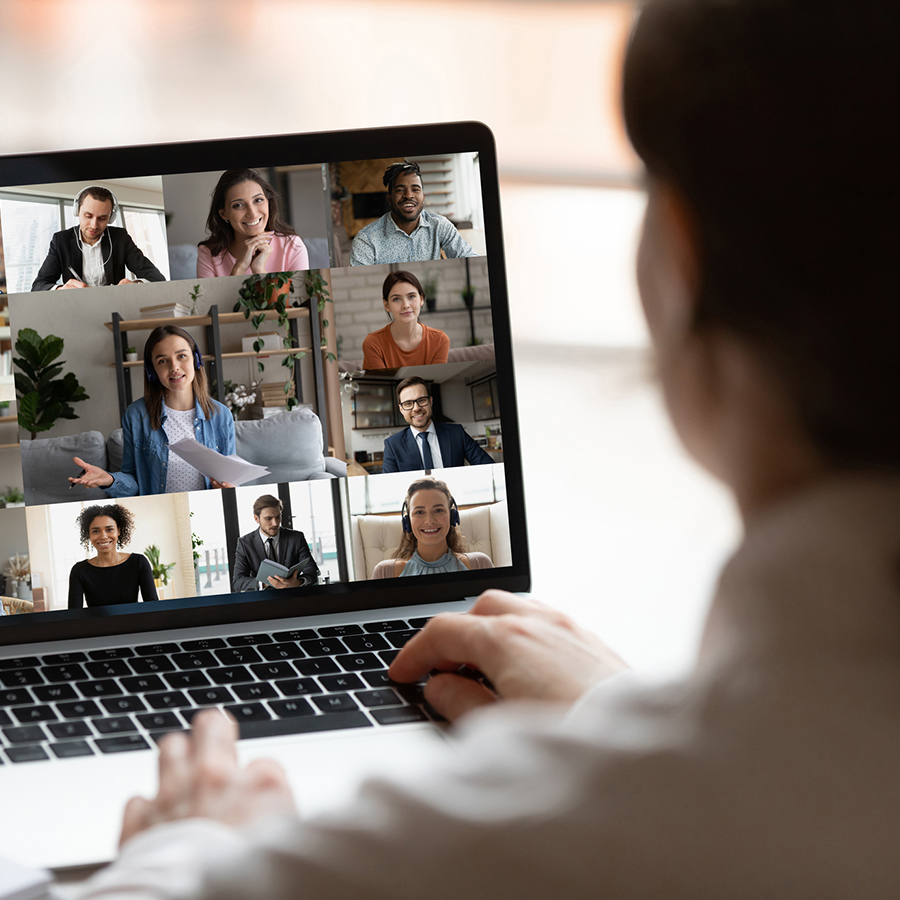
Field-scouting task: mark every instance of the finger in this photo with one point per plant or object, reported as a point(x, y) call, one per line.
point(267, 775)
point(499, 603)
point(173, 800)
point(215, 756)
point(135, 819)
point(447, 642)
point(452, 695)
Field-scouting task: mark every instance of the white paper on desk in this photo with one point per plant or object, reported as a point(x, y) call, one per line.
point(212, 464)
point(18, 882)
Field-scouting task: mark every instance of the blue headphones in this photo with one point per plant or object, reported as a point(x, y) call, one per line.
point(407, 525)
point(149, 372)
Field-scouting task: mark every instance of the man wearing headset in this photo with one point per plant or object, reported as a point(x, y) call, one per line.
point(93, 253)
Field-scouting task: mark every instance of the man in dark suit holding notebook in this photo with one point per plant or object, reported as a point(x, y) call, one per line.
point(271, 541)
point(427, 444)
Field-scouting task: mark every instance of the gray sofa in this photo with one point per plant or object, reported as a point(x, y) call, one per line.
point(289, 445)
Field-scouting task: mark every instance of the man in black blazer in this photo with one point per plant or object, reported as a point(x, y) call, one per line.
point(271, 541)
point(427, 444)
point(93, 252)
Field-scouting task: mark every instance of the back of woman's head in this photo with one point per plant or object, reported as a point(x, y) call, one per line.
point(773, 118)
point(220, 231)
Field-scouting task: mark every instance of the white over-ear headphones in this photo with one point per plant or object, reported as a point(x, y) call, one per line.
point(76, 204)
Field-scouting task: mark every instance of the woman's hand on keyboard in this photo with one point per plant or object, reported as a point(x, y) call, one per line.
point(199, 775)
point(525, 649)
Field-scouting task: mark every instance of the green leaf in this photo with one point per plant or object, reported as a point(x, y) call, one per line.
point(287, 387)
point(330, 357)
point(51, 347)
point(258, 320)
point(24, 385)
point(260, 366)
point(257, 346)
point(29, 405)
point(292, 402)
point(26, 367)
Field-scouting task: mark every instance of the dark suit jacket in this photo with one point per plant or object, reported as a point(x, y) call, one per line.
point(402, 455)
point(292, 548)
point(64, 252)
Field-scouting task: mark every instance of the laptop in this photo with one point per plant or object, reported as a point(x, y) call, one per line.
point(103, 250)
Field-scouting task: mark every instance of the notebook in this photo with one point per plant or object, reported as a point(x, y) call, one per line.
point(329, 308)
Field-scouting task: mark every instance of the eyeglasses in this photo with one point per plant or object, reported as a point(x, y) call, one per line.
point(419, 401)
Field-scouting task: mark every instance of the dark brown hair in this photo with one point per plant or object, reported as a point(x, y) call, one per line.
point(154, 392)
point(456, 541)
point(97, 193)
point(772, 119)
point(400, 277)
point(267, 501)
point(122, 517)
point(220, 232)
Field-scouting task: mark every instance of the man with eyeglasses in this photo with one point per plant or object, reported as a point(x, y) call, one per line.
point(427, 444)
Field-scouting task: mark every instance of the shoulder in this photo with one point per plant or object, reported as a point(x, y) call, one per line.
point(204, 251)
point(117, 234)
point(219, 407)
point(372, 227)
point(389, 568)
point(136, 411)
point(139, 560)
point(79, 567)
point(478, 560)
point(397, 437)
point(378, 336)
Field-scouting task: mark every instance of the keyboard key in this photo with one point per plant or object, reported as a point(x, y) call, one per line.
point(103, 688)
point(26, 754)
point(388, 656)
point(382, 697)
point(359, 643)
point(63, 659)
point(140, 684)
point(339, 630)
point(335, 702)
point(297, 686)
point(111, 653)
point(288, 650)
point(28, 714)
point(289, 708)
point(411, 693)
point(345, 682)
point(20, 662)
point(79, 709)
point(24, 734)
point(420, 623)
point(160, 720)
point(304, 724)
point(199, 659)
point(229, 675)
point(323, 647)
point(269, 671)
point(156, 649)
point(249, 712)
point(206, 696)
point(188, 714)
point(393, 625)
point(355, 662)
point(71, 748)
point(167, 700)
point(122, 744)
point(123, 704)
point(109, 668)
point(238, 657)
point(249, 640)
point(399, 638)
point(16, 697)
point(114, 725)
point(20, 678)
point(4, 718)
point(202, 644)
point(300, 634)
point(147, 665)
point(157, 736)
point(66, 672)
point(50, 692)
point(398, 715)
point(377, 679)
point(77, 728)
point(195, 678)
point(321, 666)
point(255, 691)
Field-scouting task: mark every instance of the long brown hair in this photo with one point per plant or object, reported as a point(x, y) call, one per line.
point(154, 392)
point(456, 542)
point(220, 232)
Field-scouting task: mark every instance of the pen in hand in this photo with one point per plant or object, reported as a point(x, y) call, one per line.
point(81, 474)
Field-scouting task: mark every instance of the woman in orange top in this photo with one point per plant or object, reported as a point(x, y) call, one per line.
point(406, 341)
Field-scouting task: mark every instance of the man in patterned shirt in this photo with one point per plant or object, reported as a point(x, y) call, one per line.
point(408, 232)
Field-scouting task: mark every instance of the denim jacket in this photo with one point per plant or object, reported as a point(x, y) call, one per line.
point(145, 452)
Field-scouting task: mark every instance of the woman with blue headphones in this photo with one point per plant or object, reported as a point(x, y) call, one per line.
point(432, 542)
point(176, 405)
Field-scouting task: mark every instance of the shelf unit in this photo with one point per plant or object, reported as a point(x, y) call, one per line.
point(212, 322)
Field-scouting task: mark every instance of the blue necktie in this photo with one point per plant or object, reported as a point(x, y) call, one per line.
point(426, 450)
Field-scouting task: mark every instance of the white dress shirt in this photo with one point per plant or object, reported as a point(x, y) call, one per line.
point(432, 438)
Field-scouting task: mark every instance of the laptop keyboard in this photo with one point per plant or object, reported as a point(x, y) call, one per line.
point(122, 699)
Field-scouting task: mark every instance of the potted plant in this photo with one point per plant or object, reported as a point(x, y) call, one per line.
point(161, 571)
point(468, 296)
point(12, 496)
point(18, 572)
point(430, 285)
point(43, 397)
point(131, 354)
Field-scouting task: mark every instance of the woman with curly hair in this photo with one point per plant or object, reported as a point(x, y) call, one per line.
point(432, 542)
point(111, 576)
point(246, 234)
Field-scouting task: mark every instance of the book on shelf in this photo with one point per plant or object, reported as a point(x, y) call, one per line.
point(165, 311)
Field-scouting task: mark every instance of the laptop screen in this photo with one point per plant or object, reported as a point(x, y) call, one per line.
point(254, 378)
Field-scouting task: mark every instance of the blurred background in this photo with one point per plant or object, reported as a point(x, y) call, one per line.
point(626, 533)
